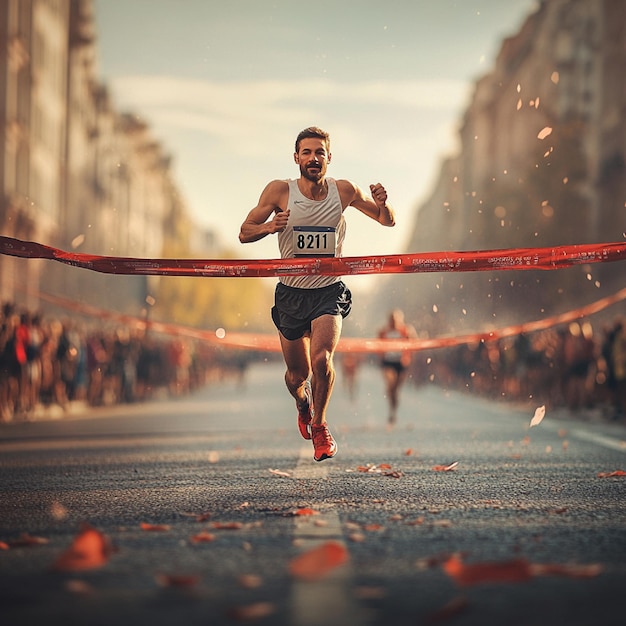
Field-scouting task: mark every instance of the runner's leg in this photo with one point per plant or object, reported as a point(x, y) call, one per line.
point(388, 376)
point(298, 361)
point(392, 380)
point(325, 333)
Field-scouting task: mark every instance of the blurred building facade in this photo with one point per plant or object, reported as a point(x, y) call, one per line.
point(75, 173)
point(541, 163)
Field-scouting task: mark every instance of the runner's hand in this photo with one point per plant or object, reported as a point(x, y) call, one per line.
point(379, 195)
point(278, 224)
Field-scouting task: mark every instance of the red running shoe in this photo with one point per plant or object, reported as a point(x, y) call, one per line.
point(305, 414)
point(324, 445)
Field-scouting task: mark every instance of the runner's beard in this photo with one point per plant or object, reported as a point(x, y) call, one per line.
point(314, 177)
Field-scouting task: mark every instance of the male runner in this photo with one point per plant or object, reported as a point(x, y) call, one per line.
point(307, 214)
point(395, 364)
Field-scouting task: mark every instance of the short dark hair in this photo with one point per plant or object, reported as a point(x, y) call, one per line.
point(312, 132)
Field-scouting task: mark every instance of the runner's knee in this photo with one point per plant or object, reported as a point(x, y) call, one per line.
point(322, 363)
point(294, 378)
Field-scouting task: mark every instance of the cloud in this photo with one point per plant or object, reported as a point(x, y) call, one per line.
point(231, 111)
point(406, 119)
point(210, 95)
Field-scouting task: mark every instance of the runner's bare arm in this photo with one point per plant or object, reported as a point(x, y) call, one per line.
point(375, 207)
point(273, 200)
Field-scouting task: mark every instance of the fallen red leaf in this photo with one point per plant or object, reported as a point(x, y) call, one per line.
point(373, 527)
point(465, 575)
point(90, 549)
point(227, 525)
point(203, 537)
point(27, 541)
point(306, 511)
point(278, 472)
point(512, 571)
point(614, 474)
point(318, 562)
point(366, 468)
point(158, 528)
point(393, 474)
point(384, 468)
point(445, 468)
point(255, 611)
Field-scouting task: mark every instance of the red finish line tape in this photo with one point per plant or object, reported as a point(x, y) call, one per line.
point(477, 261)
point(270, 343)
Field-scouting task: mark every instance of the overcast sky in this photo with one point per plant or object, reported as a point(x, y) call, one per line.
point(227, 85)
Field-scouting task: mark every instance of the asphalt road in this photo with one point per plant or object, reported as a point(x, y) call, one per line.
point(228, 464)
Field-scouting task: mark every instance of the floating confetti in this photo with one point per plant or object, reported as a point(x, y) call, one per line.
point(540, 413)
point(544, 132)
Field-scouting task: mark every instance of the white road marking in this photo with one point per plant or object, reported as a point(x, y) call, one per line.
point(329, 601)
point(601, 440)
point(585, 435)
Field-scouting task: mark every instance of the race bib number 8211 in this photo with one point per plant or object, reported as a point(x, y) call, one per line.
point(313, 241)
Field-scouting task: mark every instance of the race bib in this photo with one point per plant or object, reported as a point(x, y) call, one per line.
point(313, 241)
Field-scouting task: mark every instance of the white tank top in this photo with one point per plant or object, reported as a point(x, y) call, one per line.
point(316, 228)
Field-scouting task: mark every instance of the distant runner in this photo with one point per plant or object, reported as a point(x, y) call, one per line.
point(396, 363)
point(307, 215)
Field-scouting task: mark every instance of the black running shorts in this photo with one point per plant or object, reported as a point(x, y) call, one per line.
point(294, 309)
point(393, 365)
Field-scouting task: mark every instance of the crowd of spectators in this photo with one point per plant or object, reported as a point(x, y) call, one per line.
point(53, 362)
point(48, 362)
point(573, 366)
